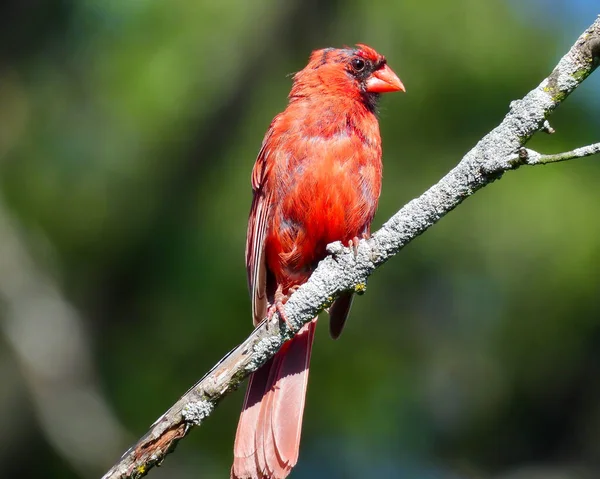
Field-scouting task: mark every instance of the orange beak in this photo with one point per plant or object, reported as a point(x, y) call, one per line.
point(384, 80)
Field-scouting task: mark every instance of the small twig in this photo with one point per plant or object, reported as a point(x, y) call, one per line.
point(531, 157)
point(547, 128)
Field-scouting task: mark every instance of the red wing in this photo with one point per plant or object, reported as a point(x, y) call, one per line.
point(258, 222)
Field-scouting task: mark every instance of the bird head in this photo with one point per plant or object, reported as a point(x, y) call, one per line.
point(360, 73)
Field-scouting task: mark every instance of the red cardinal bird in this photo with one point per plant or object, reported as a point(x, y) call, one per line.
point(316, 180)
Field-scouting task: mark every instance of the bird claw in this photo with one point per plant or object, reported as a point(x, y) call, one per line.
point(278, 307)
point(353, 243)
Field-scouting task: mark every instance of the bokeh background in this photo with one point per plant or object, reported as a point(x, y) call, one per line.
point(128, 130)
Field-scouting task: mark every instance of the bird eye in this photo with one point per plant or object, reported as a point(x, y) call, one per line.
point(358, 64)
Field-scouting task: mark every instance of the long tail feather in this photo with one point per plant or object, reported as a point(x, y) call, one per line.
point(267, 442)
point(244, 462)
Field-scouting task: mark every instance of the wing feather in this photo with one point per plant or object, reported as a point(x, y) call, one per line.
point(258, 222)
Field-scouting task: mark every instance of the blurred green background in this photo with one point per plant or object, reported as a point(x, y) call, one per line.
point(128, 130)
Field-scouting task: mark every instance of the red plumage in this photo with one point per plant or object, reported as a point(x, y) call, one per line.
point(316, 180)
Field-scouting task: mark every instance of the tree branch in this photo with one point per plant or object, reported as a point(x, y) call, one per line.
point(498, 152)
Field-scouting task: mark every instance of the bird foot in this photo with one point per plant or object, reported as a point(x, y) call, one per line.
point(278, 305)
